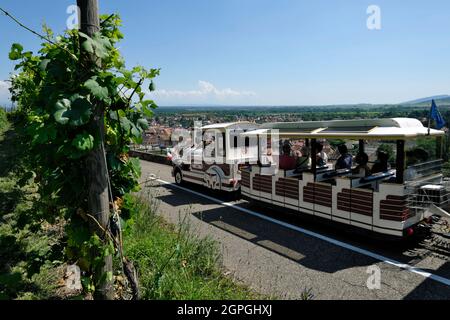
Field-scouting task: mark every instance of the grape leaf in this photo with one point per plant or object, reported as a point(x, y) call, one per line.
point(83, 142)
point(16, 52)
point(62, 106)
point(151, 87)
point(75, 113)
point(143, 124)
point(96, 90)
point(97, 45)
point(43, 64)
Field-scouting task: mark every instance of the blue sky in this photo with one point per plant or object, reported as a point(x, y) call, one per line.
point(268, 52)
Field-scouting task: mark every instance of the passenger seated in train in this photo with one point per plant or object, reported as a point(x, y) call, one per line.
point(287, 162)
point(345, 161)
point(322, 157)
point(382, 164)
point(362, 170)
point(304, 159)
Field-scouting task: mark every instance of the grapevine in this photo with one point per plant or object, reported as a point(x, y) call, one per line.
point(58, 97)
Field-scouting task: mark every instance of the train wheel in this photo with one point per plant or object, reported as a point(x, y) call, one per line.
point(215, 184)
point(236, 195)
point(178, 177)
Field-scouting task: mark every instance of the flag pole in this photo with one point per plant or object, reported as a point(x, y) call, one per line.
point(429, 118)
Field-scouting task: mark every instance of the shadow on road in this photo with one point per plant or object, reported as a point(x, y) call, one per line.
point(430, 289)
point(306, 250)
point(303, 249)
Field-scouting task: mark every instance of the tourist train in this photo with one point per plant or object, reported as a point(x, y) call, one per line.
point(220, 170)
point(380, 175)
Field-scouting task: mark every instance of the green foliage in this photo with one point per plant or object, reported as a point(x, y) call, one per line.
point(429, 145)
point(88, 250)
point(173, 116)
point(29, 250)
point(83, 142)
point(76, 112)
point(60, 92)
point(174, 264)
point(16, 52)
point(98, 45)
point(3, 118)
point(99, 92)
point(336, 142)
point(446, 169)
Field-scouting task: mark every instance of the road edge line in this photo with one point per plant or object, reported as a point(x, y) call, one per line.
point(344, 245)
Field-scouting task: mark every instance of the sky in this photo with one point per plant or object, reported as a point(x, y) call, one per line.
point(267, 52)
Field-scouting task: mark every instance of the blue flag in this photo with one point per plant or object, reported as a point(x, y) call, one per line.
point(436, 116)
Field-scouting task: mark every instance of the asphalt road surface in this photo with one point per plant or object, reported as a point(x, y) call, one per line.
point(284, 256)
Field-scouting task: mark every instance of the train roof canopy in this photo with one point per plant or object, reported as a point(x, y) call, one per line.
point(230, 125)
point(394, 128)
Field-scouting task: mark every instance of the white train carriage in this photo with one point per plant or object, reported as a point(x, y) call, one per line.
point(215, 160)
point(391, 202)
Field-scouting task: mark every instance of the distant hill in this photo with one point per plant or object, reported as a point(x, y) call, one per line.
point(439, 99)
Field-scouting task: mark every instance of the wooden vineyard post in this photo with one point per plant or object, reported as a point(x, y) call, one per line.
point(97, 171)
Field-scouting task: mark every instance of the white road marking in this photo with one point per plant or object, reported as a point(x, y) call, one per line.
point(350, 247)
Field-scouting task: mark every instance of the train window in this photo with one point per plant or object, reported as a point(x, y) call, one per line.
point(221, 146)
point(326, 152)
point(422, 158)
point(374, 149)
point(381, 154)
point(235, 143)
point(421, 150)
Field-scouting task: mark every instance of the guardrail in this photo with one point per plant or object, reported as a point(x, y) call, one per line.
point(161, 159)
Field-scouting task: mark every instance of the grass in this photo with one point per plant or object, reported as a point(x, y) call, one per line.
point(25, 269)
point(173, 263)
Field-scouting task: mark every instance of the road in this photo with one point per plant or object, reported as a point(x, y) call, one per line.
point(283, 256)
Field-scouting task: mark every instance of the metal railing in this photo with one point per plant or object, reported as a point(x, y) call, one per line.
point(421, 198)
point(418, 171)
